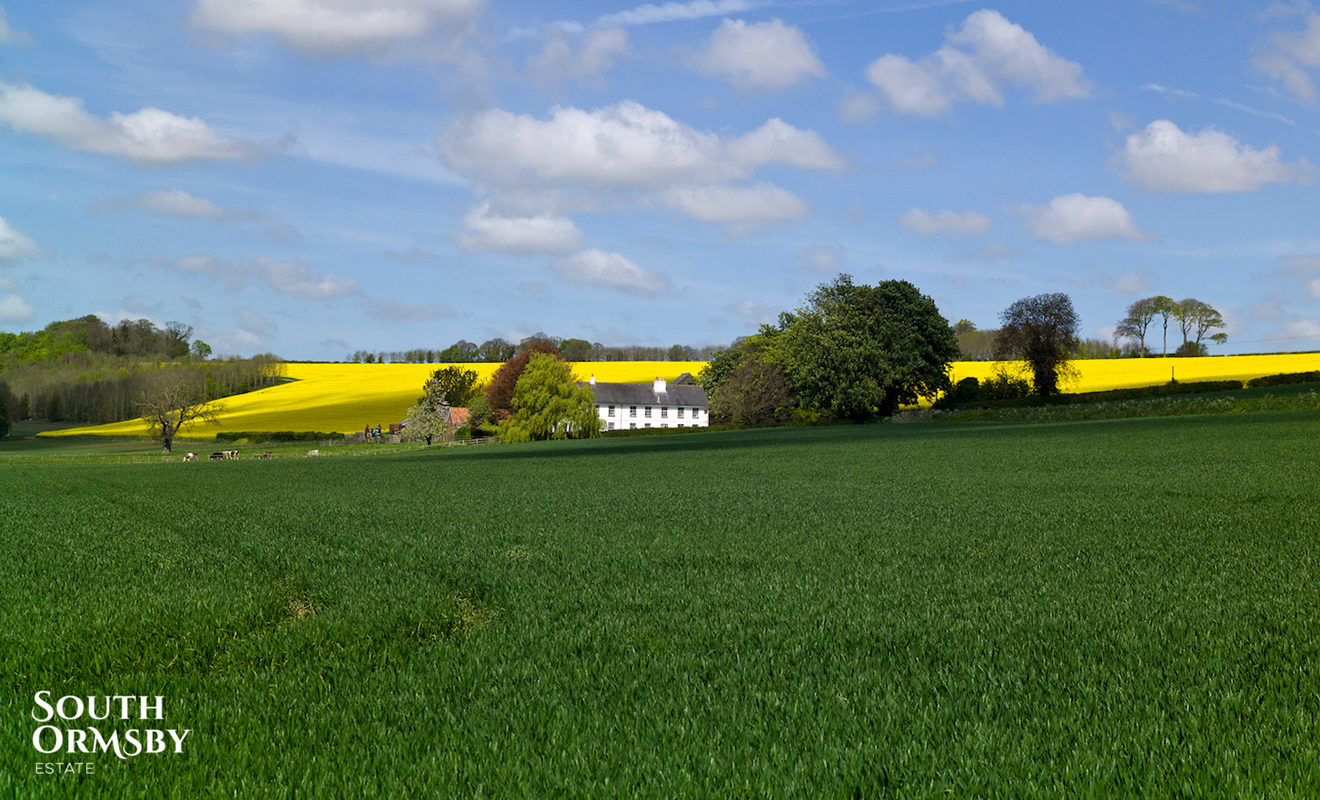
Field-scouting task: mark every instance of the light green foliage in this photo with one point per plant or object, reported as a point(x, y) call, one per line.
point(549, 404)
point(857, 350)
point(856, 611)
point(428, 422)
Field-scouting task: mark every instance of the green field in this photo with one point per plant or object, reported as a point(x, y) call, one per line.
point(1114, 608)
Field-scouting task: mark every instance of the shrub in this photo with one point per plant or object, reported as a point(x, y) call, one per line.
point(1284, 379)
point(256, 437)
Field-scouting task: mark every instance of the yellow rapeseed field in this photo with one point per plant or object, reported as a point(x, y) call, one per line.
point(349, 397)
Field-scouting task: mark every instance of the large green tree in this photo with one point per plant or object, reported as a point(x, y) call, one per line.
point(1043, 332)
point(855, 351)
point(1196, 319)
point(1139, 317)
point(548, 403)
point(748, 383)
point(454, 386)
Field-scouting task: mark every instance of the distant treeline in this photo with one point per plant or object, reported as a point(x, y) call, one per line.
point(83, 370)
point(500, 350)
point(977, 345)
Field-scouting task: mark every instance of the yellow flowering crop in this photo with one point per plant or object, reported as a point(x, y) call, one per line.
point(349, 397)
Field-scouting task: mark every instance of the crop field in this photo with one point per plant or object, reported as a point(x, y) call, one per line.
point(348, 397)
point(345, 398)
point(1117, 608)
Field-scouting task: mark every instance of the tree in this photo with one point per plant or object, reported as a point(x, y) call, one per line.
point(758, 391)
point(495, 350)
point(963, 326)
point(1163, 307)
point(548, 403)
point(454, 386)
point(427, 422)
point(500, 389)
point(1198, 319)
point(6, 403)
point(1042, 331)
point(200, 350)
point(854, 350)
point(170, 405)
point(1138, 319)
point(577, 350)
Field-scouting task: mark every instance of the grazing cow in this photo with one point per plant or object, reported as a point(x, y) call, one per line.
point(218, 455)
point(267, 454)
point(231, 454)
point(311, 453)
point(190, 457)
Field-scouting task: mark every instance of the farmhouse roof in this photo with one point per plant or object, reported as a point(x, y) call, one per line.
point(644, 394)
point(459, 416)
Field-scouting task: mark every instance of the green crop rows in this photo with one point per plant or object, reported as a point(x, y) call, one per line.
point(1125, 608)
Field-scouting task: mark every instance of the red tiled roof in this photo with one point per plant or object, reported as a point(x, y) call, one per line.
point(459, 417)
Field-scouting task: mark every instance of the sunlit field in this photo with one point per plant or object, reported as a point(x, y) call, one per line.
point(348, 397)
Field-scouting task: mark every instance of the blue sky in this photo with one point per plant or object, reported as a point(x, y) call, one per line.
point(311, 177)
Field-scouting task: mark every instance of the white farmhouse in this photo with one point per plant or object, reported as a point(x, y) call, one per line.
point(636, 405)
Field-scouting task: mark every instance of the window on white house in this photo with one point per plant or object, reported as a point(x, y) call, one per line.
point(647, 425)
point(632, 424)
point(611, 426)
point(664, 413)
point(680, 413)
point(632, 412)
point(611, 411)
point(648, 413)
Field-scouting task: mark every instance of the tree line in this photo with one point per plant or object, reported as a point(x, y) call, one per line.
point(499, 350)
point(1192, 318)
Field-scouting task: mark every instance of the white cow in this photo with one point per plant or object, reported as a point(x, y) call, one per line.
point(311, 453)
point(190, 457)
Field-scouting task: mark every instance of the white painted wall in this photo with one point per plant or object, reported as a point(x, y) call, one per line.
point(660, 417)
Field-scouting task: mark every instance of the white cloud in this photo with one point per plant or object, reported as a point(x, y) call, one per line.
point(1297, 328)
point(766, 56)
point(650, 13)
point(335, 27)
point(1073, 218)
point(14, 244)
point(1131, 282)
point(823, 257)
point(299, 280)
point(543, 233)
point(752, 312)
point(977, 63)
point(738, 208)
point(557, 60)
point(1162, 159)
point(1289, 58)
point(253, 322)
point(150, 136)
point(399, 311)
point(625, 145)
point(610, 271)
point(15, 310)
point(7, 34)
point(969, 223)
point(178, 203)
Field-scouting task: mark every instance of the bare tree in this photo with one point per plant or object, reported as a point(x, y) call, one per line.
point(1042, 331)
point(171, 405)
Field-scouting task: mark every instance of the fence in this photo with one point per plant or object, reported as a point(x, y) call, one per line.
point(332, 448)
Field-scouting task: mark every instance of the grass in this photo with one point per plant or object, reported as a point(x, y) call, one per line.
point(1119, 608)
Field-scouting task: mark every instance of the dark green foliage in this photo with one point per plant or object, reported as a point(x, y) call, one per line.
point(758, 391)
point(1005, 391)
point(256, 437)
point(1041, 331)
point(855, 351)
point(1284, 379)
point(6, 406)
point(548, 403)
point(1118, 609)
point(452, 386)
point(499, 390)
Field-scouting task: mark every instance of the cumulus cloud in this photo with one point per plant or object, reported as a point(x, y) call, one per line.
point(1073, 218)
point(651, 13)
point(14, 244)
point(1163, 159)
point(610, 271)
point(15, 310)
point(544, 233)
point(1290, 56)
point(969, 223)
point(823, 257)
point(625, 145)
point(296, 279)
point(738, 208)
point(977, 63)
point(335, 27)
point(149, 137)
point(752, 312)
point(763, 56)
point(558, 61)
point(7, 34)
